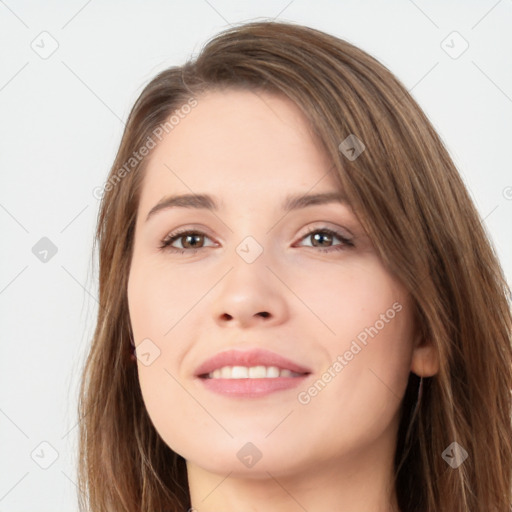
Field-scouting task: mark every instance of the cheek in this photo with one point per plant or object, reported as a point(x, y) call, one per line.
point(369, 356)
point(178, 419)
point(355, 299)
point(159, 297)
point(377, 335)
point(156, 305)
point(161, 307)
point(361, 389)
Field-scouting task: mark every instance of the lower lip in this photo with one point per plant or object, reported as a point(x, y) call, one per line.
point(251, 387)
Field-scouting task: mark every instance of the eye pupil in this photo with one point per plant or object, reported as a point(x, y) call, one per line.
point(188, 238)
point(322, 237)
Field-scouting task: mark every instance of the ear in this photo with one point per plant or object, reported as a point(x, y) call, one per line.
point(425, 359)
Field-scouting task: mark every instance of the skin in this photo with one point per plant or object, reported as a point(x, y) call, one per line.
point(250, 150)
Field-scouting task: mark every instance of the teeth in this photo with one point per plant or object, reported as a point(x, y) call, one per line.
point(257, 372)
point(273, 372)
point(239, 372)
point(252, 372)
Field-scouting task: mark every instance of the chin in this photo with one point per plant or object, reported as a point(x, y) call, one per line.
point(247, 460)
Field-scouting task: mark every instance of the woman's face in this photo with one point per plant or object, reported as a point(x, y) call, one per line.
point(289, 290)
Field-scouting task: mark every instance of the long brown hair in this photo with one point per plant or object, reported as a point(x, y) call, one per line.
point(407, 193)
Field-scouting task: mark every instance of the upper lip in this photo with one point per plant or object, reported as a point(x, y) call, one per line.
point(254, 357)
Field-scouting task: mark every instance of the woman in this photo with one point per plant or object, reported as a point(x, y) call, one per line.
point(320, 321)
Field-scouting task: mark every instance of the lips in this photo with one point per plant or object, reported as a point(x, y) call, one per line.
point(249, 358)
point(239, 374)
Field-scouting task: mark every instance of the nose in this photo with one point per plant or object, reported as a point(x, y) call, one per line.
point(250, 295)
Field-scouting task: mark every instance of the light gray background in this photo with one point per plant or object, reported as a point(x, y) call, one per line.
point(61, 120)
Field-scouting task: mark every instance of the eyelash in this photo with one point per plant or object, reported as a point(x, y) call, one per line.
point(165, 244)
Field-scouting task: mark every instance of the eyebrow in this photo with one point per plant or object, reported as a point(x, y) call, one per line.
point(207, 202)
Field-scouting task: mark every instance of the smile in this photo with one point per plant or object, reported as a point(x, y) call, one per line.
point(252, 372)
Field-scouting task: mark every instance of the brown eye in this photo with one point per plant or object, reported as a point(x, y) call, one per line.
point(190, 241)
point(323, 239)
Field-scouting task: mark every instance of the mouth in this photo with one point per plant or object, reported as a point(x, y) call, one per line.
point(251, 373)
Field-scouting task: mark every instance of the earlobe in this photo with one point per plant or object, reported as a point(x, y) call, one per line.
point(425, 359)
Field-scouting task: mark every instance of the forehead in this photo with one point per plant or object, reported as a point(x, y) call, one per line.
point(246, 142)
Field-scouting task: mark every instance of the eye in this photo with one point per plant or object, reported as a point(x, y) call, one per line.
point(190, 240)
point(325, 237)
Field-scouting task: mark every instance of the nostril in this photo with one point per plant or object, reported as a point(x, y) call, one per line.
point(264, 314)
